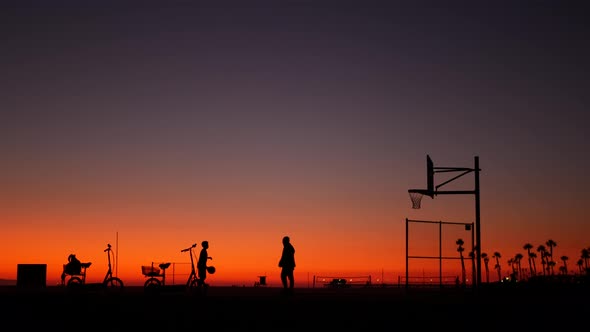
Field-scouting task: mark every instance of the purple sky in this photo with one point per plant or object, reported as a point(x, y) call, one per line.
point(314, 95)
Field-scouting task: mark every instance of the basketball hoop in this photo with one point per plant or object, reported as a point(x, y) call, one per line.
point(416, 196)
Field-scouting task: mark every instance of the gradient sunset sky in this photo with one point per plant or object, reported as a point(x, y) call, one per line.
point(156, 125)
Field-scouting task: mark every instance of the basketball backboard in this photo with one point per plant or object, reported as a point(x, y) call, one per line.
point(429, 175)
point(417, 194)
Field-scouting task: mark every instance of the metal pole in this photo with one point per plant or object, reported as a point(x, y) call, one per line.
point(440, 254)
point(473, 269)
point(406, 253)
point(477, 221)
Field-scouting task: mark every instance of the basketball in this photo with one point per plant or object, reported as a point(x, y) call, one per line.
point(211, 269)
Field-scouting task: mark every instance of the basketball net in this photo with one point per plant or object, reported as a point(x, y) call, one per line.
point(416, 199)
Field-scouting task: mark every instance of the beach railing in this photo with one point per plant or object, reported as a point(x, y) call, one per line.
point(341, 281)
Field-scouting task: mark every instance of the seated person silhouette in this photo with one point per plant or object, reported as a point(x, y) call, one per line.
point(74, 266)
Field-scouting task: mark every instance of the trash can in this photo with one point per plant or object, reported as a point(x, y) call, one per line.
point(31, 275)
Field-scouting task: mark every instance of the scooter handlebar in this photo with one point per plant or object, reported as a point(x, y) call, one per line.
point(189, 248)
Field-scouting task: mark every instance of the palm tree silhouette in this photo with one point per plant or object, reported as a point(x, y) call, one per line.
point(528, 248)
point(517, 258)
point(532, 257)
point(550, 243)
point(550, 266)
point(580, 264)
point(550, 263)
point(586, 257)
point(460, 249)
point(497, 256)
point(472, 257)
point(542, 251)
point(564, 260)
point(486, 260)
point(512, 263)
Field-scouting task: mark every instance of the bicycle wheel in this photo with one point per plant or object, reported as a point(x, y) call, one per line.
point(193, 286)
point(152, 285)
point(113, 284)
point(195, 289)
point(75, 283)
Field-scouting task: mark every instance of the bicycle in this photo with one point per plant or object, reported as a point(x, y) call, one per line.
point(78, 278)
point(111, 282)
point(192, 283)
point(156, 277)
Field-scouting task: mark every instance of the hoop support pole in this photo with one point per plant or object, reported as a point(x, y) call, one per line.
point(456, 192)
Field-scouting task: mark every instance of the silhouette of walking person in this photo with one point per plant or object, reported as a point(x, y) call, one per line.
point(202, 264)
point(287, 265)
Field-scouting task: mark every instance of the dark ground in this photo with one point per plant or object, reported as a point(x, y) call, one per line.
point(542, 308)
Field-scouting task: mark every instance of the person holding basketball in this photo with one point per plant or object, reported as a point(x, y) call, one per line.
point(202, 264)
point(287, 265)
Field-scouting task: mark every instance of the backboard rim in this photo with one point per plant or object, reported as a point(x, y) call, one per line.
point(425, 192)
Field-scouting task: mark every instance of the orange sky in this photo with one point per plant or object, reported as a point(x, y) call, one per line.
point(223, 123)
point(347, 235)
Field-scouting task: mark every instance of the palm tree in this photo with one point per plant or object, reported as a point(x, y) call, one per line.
point(532, 257)
point(564, 260)
point(550, 265)
point(497, 256)
point(512, 266)
point(580, 264)
point(517, 258)
point(460, 249)
point(486, 260)
point(528, 248)
point(542, 250)
point(472, 257)
point(550, 243)
point(586, 257)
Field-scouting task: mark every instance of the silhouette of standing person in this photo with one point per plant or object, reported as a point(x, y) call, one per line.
point(287, 265)
point(202, 264)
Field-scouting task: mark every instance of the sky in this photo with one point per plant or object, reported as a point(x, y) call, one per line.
point(155, 125)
